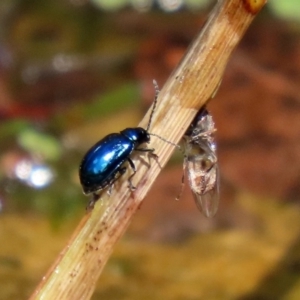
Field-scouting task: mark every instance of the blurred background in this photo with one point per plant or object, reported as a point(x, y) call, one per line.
point(72, 71)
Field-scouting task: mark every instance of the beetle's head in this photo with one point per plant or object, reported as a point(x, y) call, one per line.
point(137, 135)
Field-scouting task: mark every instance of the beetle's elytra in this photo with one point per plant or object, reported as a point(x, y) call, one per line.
point(104, 160)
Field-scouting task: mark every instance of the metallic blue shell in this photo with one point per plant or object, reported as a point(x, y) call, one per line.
point(102, 163)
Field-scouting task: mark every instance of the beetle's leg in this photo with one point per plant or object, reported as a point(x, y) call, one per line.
point(131, 186)
point(151, 153)
point(109, 191)
point(150, 150)
point(93, 200)
point(112, 182)
point(121, 171)
point(145, 149)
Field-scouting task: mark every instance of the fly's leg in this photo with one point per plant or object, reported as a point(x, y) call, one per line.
point(203, 134)
point(182, 180)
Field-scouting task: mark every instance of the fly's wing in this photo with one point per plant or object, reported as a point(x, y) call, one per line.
point(208, 202)
point(203, 176)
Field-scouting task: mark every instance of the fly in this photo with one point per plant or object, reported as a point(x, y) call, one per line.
point(201, 163)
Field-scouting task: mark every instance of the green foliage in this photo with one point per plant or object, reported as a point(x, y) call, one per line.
point(286, 9)
point(40, 144)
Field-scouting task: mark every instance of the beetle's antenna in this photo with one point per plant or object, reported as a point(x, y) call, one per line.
point(163, 139)
point(151, 115)
point(154, 103)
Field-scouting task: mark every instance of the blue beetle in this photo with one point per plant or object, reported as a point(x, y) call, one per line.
point(104, 163)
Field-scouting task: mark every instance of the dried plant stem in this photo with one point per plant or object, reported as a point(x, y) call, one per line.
point(76, 270)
